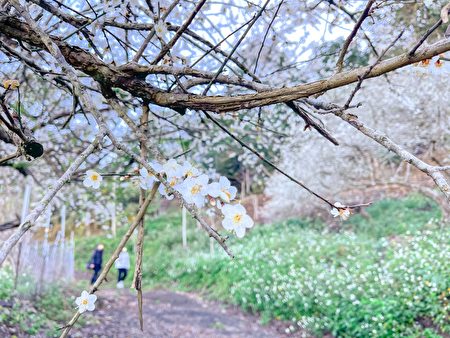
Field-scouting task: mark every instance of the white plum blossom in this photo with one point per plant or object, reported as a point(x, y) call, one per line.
point(161, 30)
point(223, 190)
point(174, 183)
point(187, 170)
point(172, 168)
point(146, 179)
point(86, 302)
point(195, 189)
point(341, 211)
point(236, 219)
point(92, 179)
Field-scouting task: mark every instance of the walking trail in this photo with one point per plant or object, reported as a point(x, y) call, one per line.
point(172, 314)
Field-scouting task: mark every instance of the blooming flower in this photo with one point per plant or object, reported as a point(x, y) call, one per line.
point(146, 180)
point(341, 211)
point(161, 30)
point(86, 302)
point(174, 183)
point(187, 170)
point(236, 219)
point(223, 190)
point(92, 179)
point(172, 168)
point(11, 84)
point(194, 190)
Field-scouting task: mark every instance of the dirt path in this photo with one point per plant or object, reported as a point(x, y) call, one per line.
point(171, 314)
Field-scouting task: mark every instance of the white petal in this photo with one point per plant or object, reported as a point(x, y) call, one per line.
point(199, 201)
point(87, 182)
point(213, 189)
point(247, 221)
point(227, 223)
point(82, 308)
point(96, 184)
point(227, 209)
point(92, 298)
point(78, 301)
point(224, 182)
point(334, 212)
point(240, 232)
point(233, 191)
point(143, 172)
point(90, 307)
point(156, 166)
point(84, 294)
point(239, 208)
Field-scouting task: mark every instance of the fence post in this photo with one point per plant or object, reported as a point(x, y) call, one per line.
point(63, 221)
point(25, 207)
point(183, 227)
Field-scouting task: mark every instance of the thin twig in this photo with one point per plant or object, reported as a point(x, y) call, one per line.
point(265, 35)
point(364, 15)
point(224, 63)
point(115, 255)
point(262, 158)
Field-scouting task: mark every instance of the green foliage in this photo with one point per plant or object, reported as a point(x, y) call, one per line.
point(33, 314)
point(391, 217)
point(377, 278)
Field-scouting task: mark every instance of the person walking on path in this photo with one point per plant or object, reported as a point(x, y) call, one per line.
point(122, 265)
point(96, 262)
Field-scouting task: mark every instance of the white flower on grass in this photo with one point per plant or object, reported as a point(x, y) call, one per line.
point(146, 180)
point(222, 189)
point(236, 219)
point(86, 302)
point(92, 179)
point(187, 170)
point(194, 190)
point(341, 211)
point(172, 168)
point(161, 30)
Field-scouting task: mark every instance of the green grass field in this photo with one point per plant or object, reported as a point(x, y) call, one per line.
point(383, 275)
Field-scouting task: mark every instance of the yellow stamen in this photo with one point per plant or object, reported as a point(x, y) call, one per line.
point(195, 189)
point(84, 302)
point(237, 218)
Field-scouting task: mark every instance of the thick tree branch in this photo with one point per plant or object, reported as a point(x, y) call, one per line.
point(111, 76)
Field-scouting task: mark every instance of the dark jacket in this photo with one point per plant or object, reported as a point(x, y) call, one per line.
point(96, 259)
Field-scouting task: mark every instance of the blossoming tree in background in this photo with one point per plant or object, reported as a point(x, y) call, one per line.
point(99, 93)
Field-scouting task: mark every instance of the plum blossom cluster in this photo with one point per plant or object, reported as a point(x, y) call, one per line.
point(195, 188)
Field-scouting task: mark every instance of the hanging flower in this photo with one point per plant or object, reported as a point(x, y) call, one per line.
point(223, 190)
point(92, 179)
point(161, 30)
point(86, 302)
point(236, 219)
point(341, 211)
point(11, 84)
point(194, 190)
